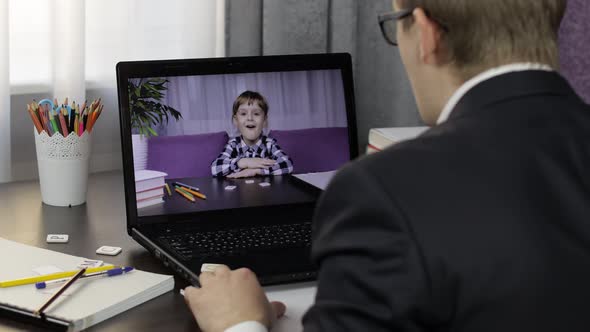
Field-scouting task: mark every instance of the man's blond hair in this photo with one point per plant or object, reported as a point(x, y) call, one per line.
point(487, 33)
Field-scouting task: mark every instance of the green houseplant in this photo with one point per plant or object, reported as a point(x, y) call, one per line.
point(147, 110)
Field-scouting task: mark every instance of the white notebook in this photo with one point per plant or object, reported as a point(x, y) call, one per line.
point(87, 301)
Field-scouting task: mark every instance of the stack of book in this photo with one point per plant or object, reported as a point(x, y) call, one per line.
point(149, 187)
point(380, 138)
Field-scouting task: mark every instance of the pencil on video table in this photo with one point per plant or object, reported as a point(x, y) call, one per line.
point(184, 194)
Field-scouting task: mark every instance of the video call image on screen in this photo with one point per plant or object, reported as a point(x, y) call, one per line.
point(212, 142)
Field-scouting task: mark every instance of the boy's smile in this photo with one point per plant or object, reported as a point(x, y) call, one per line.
point(250, 120)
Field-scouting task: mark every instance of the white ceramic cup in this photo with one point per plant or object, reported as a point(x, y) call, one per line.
point(63, 167)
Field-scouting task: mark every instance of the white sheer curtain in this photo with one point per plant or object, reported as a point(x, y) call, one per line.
point(5, 166)
point(60, 48)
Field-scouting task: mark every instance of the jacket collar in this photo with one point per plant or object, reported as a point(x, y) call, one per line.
point(507, 86)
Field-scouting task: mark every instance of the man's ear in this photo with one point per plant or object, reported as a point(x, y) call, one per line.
point(430, 38)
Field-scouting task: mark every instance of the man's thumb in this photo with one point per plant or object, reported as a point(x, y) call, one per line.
point(279, 308)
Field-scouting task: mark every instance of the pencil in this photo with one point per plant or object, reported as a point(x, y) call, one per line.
point(72, 118)
point(81, 126)
point(168, 189)
point(44, 121)
point(49, 126)
point(199, 195)
point(184, 194)
point(195, 193)
point(62, 121)
point(93, 117)
point(51, 276)
point(185, 191)
point(184, 185)
point(66, 118)
point(36, 122)
point(54, 126)
point(85, 118)
point(59, 292)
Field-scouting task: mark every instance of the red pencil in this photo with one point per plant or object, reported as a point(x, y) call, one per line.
point(36, 122)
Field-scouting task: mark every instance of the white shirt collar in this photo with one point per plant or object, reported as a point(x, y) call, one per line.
point(486, 75)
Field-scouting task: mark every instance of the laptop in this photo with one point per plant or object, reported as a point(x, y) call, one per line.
point(218, 155)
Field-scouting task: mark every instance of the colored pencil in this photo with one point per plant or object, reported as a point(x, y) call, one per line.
point(36, 122)
point(195, 193)
point(62, 121)
point(184, 194)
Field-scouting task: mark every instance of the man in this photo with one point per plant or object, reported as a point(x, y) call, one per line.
point(480, 224)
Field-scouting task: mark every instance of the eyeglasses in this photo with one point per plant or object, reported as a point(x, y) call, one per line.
point(388, 24)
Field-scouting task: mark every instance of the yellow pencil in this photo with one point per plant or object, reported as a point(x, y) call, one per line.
point(201, 196)
point(168, 189)
point(189, 190)
point(52, 276)
point(196, 193)
point(184, 194)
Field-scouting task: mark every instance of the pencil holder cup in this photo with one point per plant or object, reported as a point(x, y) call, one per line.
point(63, 167)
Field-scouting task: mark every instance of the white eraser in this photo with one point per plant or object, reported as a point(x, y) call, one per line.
point(209, 267)
point(249, 181)
point(230, 187)
point(57, 238)
point(107, 250)
point(264, 184)
point(90, 263)
point(181, 292)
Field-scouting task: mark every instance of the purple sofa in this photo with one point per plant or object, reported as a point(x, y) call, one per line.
point(312, 150)
point(185, 155)
point(315, 149)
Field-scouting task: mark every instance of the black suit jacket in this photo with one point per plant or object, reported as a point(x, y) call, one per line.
point(480, 224)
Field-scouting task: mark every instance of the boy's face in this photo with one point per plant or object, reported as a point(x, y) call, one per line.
point(250, 120)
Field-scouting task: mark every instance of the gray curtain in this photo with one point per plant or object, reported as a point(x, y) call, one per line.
point(382, 91)
point(383, 94)
point(206, 101)
point(574, 46)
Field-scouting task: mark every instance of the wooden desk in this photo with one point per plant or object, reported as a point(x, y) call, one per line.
point(101, 221)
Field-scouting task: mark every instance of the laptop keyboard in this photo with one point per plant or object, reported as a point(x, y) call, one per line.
point(238, 241)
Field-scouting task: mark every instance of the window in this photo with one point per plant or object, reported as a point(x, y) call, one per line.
point(115, 30)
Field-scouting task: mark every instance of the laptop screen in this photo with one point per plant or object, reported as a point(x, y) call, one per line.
point(203, 142)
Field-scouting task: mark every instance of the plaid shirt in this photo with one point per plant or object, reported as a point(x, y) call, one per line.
point(265, 147)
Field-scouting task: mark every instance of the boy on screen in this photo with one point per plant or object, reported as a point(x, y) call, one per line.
point(251, 153)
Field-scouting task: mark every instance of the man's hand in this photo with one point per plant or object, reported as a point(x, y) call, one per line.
point(227, 298)
point(255, 163)
point(245, 173)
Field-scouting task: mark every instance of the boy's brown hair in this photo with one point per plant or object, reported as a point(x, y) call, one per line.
point(482, 34)
point(248, 97)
